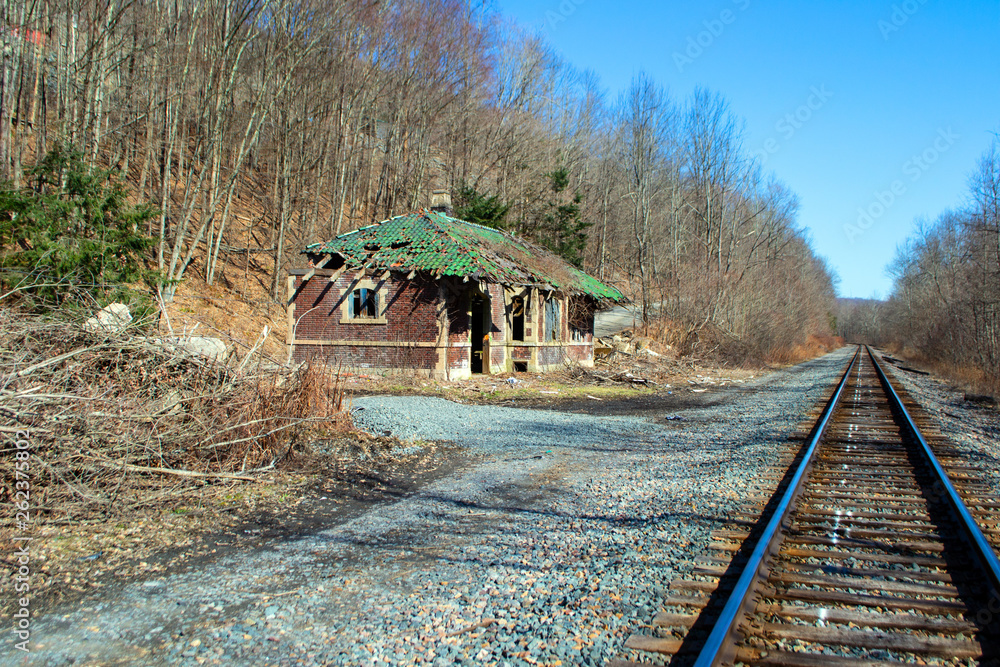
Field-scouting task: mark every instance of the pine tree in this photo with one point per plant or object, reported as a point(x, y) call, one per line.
point(562, 230)
point(69, 235)
point(476, 207)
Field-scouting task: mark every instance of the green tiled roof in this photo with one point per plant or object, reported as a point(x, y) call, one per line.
point(438, 244)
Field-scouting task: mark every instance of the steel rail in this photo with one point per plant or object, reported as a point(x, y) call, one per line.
point(982, 548)
point(717, 645)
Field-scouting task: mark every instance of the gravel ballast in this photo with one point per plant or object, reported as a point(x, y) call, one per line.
point(551, 549)
point(972, 427)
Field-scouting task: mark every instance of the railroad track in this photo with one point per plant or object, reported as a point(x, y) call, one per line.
point(867, 554)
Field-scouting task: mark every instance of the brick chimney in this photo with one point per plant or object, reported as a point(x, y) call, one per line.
point(441, 202)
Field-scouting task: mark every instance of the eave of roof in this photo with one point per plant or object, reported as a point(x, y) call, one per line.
point(431, 242)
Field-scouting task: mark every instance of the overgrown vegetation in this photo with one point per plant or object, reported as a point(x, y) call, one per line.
point(115, 420)
point(68, 236)
point(481, 209)
point(562, 228)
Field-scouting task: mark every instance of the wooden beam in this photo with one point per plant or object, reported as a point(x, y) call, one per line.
point(313, 270)
point(411, 274)
point(290, 315)
point(385, 276)
point(336, 274)
point(293, 291)
point(360, 274)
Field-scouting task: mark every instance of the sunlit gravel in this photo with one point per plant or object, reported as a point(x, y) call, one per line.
point(551, 550)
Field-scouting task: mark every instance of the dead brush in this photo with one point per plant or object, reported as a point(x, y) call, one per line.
point(261, 420)
point(116, 421)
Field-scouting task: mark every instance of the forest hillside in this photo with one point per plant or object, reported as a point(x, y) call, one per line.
point(254, 128)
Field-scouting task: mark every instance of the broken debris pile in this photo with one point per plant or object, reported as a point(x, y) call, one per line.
point(604, 375)
point(111, 419)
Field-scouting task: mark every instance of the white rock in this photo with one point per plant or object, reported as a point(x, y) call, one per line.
point(113, 318)
point(210, 348)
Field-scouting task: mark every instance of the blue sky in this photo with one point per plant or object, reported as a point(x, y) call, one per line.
point(873, 112)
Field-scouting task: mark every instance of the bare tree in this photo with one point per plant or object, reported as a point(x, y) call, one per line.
point(258, 126)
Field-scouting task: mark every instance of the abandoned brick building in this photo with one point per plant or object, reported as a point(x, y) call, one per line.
point(438, 296)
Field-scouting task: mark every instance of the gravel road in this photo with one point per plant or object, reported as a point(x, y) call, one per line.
point(551, 549)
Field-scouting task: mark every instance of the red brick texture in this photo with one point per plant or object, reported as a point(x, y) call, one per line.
point(411, 317)
point(406, 339)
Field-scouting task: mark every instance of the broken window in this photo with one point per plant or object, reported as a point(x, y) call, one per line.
point(551, 319)
point(581, 320)
point(364, 304)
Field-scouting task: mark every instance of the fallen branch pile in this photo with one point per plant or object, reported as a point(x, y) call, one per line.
point(116, 422)
point(605, 375)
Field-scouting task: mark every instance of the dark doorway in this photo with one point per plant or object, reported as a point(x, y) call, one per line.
point(480, 334)
point(517, 318)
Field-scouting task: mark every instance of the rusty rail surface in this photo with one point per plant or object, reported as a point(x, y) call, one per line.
point(867, 553)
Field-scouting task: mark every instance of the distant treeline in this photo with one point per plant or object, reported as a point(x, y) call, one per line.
point(945, 303)
point(269, 125)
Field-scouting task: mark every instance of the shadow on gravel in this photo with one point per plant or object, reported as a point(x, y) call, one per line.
point(423, 546)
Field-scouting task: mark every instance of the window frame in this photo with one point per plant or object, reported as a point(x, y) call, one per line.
point(364, 304)
point(579, 325)
point(516, 318)
point(376, 292)
point(553, 316)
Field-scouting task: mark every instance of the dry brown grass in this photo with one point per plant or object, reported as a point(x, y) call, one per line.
point(970, 379)
point(715, 346)
point(239, 313)
point(814, 346)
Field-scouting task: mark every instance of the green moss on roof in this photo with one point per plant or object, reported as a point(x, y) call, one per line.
point(438, 244)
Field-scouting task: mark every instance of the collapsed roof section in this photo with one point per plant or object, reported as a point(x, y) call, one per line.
point(431, 242)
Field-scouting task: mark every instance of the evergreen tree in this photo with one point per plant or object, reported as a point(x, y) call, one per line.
point(476, 207)
point(69, 235)
point(563, 231)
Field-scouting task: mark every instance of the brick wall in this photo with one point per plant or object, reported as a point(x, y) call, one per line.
point(581, 353)
point(551, 356)
point(498, 332)
point(460, 359)
point(459, 331)
point(520, 353)
point(358, 358)
point(410, 309)
point(458, 318)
